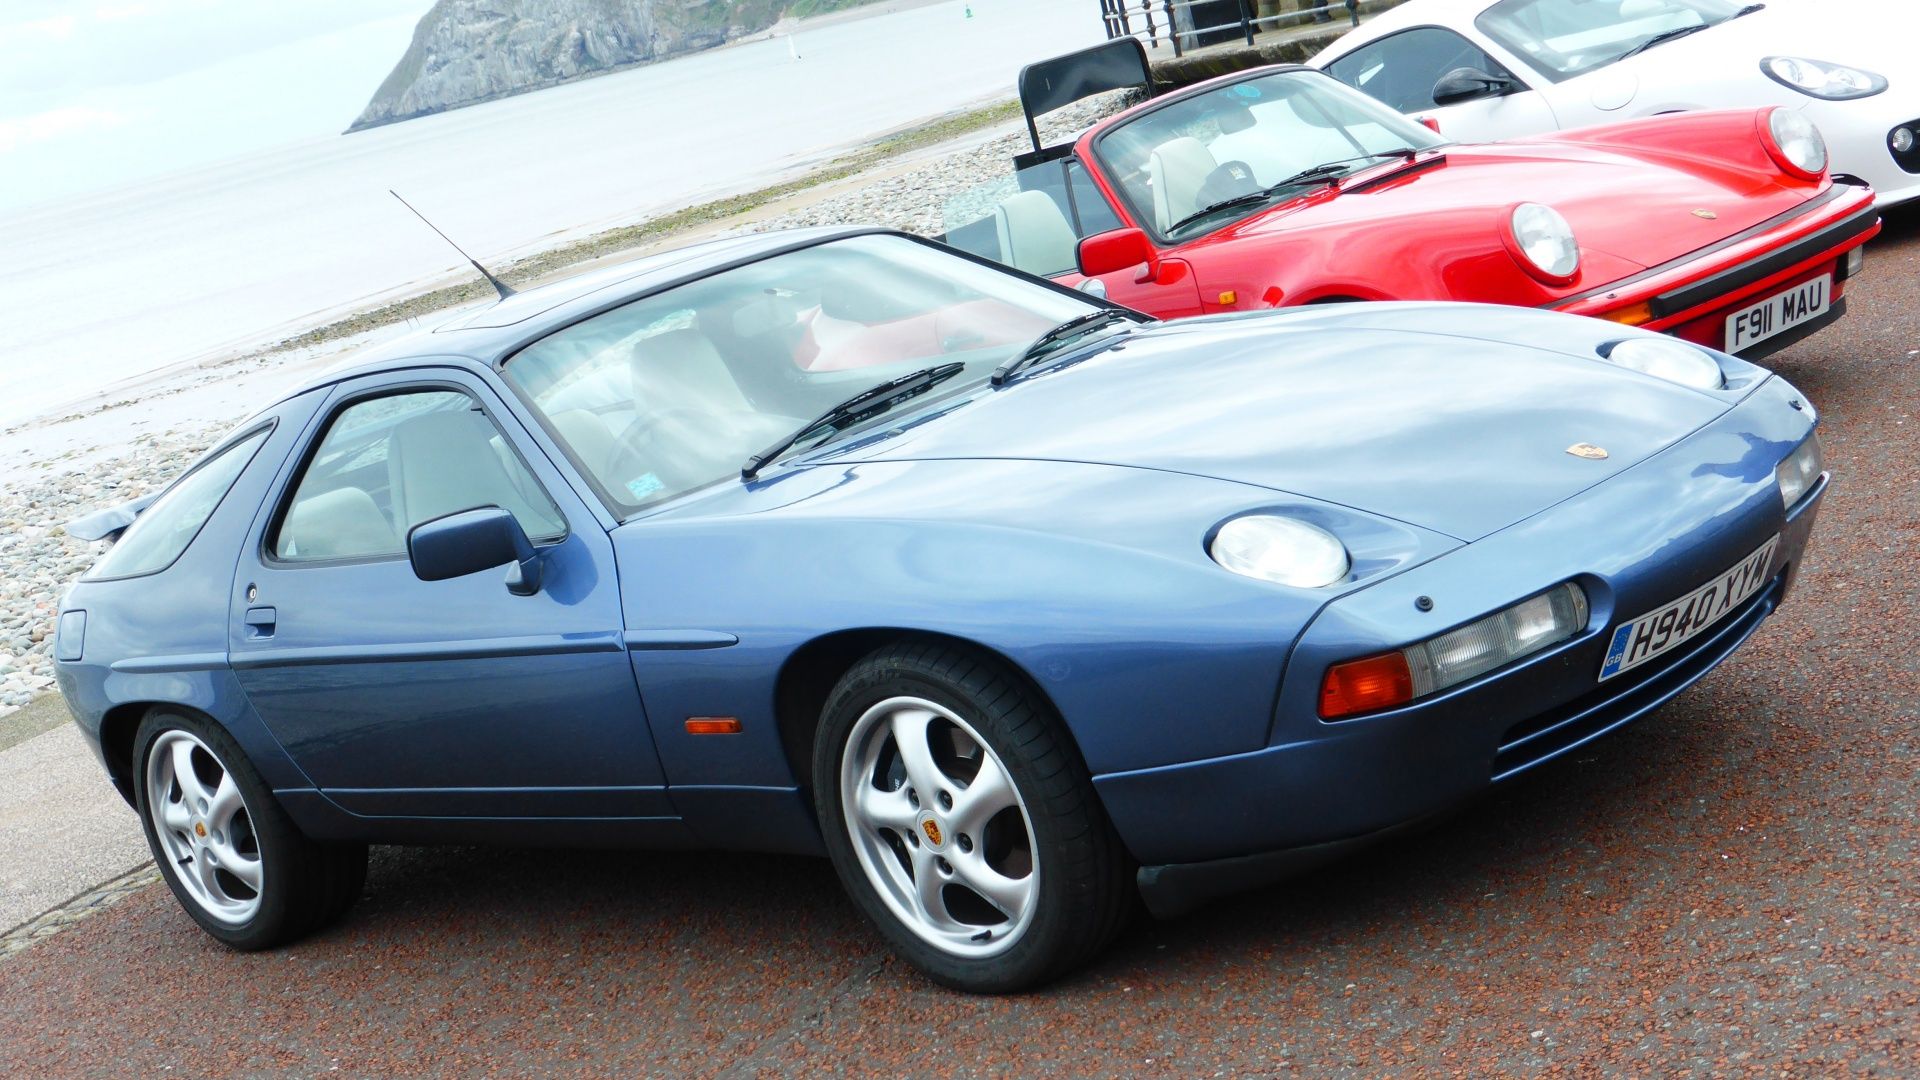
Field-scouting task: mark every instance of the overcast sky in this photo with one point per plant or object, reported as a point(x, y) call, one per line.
point(96, 93)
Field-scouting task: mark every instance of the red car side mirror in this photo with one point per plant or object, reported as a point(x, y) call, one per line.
point(1121, 249)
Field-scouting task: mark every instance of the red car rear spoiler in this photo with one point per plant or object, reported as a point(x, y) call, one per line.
point(1120, 64)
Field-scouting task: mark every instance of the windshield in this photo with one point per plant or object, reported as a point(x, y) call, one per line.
point(673, 391)
point(1563, 38)
point(1175, 160)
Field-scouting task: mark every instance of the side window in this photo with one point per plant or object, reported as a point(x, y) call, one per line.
point(1401, 70)
point(389, 463)
point(162, 532)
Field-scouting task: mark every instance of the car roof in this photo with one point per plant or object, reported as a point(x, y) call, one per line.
point(490, 334)
point(1454, 13)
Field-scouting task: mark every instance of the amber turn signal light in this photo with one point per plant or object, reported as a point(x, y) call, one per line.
point(1368, 685)
point(1631, 315)
point(713, 725)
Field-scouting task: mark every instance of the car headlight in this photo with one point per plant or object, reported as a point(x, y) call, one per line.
point(1795, 144)
point(1281, 550)
point(1799, 472)
point(1669, 359)
point(1545, 242)
point(1396, 678)
point(1817, 78)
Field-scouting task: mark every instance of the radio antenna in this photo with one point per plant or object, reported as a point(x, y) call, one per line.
point(498, 285)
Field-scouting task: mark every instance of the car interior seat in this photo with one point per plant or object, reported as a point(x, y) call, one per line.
point(1177, 169)
point(440, 463)
point(341, 523)
point(590, 439)
point(693, 418)
point(681, 369)
point(1034, 235)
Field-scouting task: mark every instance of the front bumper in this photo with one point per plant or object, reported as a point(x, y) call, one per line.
point(1636, 542)
point(1692, 296)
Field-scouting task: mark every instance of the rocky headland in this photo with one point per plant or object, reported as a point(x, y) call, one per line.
point(468, 51)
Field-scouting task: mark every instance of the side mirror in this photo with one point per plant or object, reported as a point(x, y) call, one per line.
point(470, 541)
point(1470, 84)
point(1121, 249)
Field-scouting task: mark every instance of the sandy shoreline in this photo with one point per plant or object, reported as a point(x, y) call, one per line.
point(135, 436)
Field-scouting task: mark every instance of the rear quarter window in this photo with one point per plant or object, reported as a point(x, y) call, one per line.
point(162, 532)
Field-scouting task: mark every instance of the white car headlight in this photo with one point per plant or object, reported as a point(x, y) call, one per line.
point(1817, 78)
point(1796, 143)
point(1545, 241)
point(1669, 359)
point(1497, 640)
point(1281, 550)
point(1799, 472)
point(1390, 680)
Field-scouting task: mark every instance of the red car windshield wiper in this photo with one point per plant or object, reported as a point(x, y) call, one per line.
point(1327, 172)
point(1331, 171)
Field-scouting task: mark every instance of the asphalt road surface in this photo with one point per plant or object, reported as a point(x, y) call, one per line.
point(1730, 886)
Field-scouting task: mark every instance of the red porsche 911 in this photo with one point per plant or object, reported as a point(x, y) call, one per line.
point(1281, 186)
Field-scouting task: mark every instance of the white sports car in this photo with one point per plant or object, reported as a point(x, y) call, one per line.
point(1493, 69)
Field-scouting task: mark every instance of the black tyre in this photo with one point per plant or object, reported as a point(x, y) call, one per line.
point(232, 857)
point(963, 822)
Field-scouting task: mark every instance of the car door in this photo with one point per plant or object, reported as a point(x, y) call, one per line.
point(1402, 69)
point(403, 698)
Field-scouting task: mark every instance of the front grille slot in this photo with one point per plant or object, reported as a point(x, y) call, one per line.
point(1629, 696)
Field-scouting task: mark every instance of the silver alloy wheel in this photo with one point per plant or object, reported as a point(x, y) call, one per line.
point(939, 827)
point(203, 826)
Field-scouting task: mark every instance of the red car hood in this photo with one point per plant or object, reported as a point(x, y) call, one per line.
point(1628, 212)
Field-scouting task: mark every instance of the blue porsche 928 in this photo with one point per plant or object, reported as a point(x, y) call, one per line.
point(1011, 602)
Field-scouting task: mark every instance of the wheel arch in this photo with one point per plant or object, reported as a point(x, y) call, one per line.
point(118, 727)
point(811, 672)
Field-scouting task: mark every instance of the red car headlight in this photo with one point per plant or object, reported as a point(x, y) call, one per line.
point(1540, 240)
point(1794, 143)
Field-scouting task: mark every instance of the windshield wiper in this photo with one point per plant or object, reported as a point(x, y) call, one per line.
point(867, 403)
point(1325, 172)
point(1330, 171)
point(1210, 209)
point(1074, 327)
point(1663, 37)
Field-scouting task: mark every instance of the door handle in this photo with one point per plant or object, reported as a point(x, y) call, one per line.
point(260, 620)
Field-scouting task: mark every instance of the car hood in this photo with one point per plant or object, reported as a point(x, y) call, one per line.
point(1476, 184)
point(1442, 429)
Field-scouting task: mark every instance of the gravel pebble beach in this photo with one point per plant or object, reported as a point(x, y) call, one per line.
point(40, 558)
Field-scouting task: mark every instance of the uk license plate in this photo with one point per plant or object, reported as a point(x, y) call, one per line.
point(1780, 313)
point(1637, 641)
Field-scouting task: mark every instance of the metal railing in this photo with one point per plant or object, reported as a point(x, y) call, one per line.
point(1136, 18)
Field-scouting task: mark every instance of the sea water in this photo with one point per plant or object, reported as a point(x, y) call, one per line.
point(101, 288)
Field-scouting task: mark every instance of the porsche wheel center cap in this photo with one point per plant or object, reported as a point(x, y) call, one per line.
point(930, 828)
point(200, 829)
